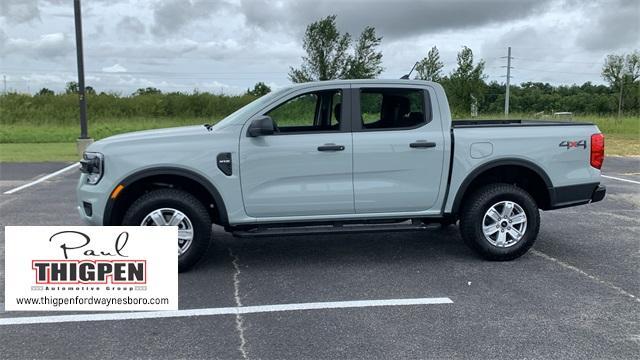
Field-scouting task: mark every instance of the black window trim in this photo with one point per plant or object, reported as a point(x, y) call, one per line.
point(356, 122)
point(345, 120)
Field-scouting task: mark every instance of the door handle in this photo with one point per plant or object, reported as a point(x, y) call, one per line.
point(331, 147)
point(422, 144)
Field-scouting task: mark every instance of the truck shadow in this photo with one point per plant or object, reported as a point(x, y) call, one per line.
point(436, 245)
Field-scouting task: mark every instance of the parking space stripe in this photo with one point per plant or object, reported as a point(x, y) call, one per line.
point(222, 311)
point(621, 179)
point(581, 272)
point(46, 177)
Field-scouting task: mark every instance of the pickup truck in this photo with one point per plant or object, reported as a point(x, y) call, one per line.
point(344, 157)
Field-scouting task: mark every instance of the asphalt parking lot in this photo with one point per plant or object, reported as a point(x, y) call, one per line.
point(575, 295)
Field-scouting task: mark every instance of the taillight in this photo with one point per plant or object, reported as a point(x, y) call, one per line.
point(597, 150)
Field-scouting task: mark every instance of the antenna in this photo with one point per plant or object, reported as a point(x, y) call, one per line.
point(406, 77)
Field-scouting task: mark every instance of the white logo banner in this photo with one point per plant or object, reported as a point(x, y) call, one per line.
point(96, 268)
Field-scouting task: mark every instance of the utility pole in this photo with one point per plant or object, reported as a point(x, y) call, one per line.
point(4, 80)
point(84, 140)
point(506, 95)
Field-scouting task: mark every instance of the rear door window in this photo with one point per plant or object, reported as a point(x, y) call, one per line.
point(392, 108)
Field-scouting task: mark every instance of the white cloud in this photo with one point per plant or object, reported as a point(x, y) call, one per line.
point(229, 45)
point(19, 11)
point(131, 26)
point(171, 16)
point(48, 46)
point(117, 68)
point(394, 19)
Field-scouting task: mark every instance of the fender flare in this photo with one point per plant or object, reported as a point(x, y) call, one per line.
point(167, 170)
point(493, 164)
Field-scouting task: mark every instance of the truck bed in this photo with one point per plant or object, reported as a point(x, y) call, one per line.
point(464, 123)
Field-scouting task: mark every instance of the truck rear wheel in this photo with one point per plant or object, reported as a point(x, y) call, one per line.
point(172, 207)
point(500, 222)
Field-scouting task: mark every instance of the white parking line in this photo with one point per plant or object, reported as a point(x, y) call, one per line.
point(46, 177)
point(620, 179)
point(579, 271)
point(222, 311)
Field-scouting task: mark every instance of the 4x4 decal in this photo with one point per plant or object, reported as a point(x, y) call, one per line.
point(574, 144)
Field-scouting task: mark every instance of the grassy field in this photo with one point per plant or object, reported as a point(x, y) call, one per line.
point(98, 129)
point(38, 152)
point(20, 142)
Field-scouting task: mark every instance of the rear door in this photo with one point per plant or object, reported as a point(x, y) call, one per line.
point(398, 151)
point(305, 168)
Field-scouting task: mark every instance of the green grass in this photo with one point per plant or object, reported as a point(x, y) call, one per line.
point(56, 142)
point(35, 152)
point(62, 109)
point(29, 152)
point(625, 125)
point(622, 135)
point(98, 129)
point(620, 145)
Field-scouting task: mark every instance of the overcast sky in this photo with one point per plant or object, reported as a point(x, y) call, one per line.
point(229, 45)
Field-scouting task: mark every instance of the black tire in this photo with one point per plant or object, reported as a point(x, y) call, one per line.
point(472, 221)
point(185, 203)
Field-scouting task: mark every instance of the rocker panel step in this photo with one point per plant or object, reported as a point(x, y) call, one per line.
point(331, 229)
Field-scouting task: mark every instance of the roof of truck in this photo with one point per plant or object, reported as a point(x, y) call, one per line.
point(364, 81)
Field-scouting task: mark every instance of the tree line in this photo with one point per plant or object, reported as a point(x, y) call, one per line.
point(330, 54)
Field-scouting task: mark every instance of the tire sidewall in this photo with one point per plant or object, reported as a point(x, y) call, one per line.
point(527, 204)
point(201, 227)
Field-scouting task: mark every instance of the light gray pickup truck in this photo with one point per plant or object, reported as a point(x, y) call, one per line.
point(344, 157)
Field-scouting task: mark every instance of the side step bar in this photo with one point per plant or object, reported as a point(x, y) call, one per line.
point(332, 229)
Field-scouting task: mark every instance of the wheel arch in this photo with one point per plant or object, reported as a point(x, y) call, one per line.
point(533, 179)
point(137, 183)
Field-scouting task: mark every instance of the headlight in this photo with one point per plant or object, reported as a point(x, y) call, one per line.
point(92, 164)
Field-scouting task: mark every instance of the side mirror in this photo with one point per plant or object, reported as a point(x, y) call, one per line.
point(263, 125)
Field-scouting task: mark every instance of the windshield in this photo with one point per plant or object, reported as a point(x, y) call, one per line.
point(252, 107)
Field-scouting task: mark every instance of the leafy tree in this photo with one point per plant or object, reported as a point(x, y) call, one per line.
point(147, 91)
point(465, 81)
point(430, 67)
point(71, 88)
point(45, 92)
point(633, 65)
point(259, 89)
point(326, 50)
point(328, 54)
point(613, 69)
point(621, 71)
point(366, 62)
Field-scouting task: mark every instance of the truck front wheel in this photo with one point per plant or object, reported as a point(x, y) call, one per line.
point(173, 207)
point(500, 222)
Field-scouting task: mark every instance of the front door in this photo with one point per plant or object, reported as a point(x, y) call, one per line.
point(305, 167)
point(398, 151)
